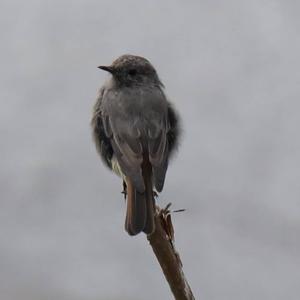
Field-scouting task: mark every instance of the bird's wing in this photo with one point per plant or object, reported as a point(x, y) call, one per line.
point(124, 137)
point(165, 145)
point(158, 146)
point(137, 124)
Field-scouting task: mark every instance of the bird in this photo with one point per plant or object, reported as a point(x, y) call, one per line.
point(136, 130)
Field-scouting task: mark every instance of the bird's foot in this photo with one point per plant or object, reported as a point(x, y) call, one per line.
point(124, 192)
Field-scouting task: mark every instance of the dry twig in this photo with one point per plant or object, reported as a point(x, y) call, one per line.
point(162, 243)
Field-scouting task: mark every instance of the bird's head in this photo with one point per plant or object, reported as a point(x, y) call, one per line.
point(130, 70)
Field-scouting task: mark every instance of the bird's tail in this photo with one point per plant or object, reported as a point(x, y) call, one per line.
point(140, 206)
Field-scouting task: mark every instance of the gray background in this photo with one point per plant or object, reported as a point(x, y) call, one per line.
point(232, 70)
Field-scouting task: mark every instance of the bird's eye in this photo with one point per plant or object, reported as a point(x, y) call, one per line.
point(132, 72)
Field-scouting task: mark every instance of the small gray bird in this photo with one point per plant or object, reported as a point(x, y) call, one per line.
point(136, 131)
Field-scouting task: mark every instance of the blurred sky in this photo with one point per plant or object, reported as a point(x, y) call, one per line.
point(231, 68)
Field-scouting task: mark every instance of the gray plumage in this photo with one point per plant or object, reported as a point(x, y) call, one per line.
point(136, 130)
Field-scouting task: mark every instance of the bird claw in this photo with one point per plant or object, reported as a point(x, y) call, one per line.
point(124, 192)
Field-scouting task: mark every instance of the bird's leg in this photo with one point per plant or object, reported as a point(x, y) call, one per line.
point(124, 192)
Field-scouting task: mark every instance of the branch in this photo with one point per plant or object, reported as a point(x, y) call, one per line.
point(162, 243)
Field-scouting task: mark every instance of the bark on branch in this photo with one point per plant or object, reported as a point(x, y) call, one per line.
point(162, 243)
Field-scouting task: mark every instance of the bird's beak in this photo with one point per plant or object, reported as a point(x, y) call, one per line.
point(107, 69)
